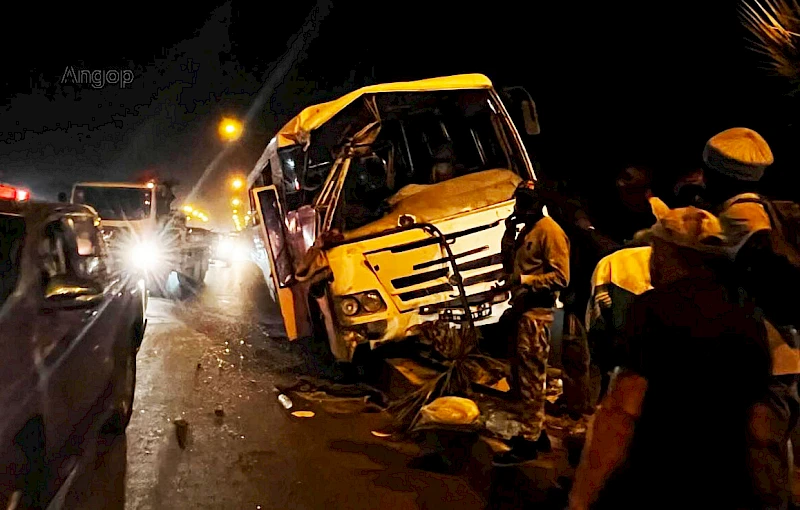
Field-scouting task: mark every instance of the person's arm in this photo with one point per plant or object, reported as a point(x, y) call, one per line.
point(608, 438)
point(554, 245)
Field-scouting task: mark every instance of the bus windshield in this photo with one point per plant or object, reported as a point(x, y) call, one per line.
point(425, 139)
point(116, 204)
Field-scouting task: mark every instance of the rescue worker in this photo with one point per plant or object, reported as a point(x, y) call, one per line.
point(734, 162)
point(616, 281)
point(689, 189)
point(673, 429)
point(538, 263)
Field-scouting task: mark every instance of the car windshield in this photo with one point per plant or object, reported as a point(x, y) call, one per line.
point(12, 234)
point(116, 203)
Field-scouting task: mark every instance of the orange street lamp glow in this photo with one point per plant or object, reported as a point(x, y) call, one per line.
point(230, 129)
point(236, 202)
point(237, 183)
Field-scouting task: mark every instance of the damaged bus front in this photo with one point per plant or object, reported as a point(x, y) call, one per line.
point(375, 211)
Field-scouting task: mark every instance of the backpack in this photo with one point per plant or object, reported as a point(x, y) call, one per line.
point(773, 271)
point(784, 217)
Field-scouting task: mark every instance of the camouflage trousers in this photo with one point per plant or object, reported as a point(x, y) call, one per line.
point(771, 459)
point(529, 369)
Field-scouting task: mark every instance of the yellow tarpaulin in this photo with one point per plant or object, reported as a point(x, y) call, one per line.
point(296, 131)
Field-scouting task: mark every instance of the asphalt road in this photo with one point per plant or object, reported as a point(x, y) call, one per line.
point(208, 354)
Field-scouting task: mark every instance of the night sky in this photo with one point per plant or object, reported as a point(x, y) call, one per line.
point(614, 84)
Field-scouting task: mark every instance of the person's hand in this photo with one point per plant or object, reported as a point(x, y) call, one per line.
point(513, 281)
point(603, 299)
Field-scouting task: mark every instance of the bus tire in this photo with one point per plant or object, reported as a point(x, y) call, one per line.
point(322, 359)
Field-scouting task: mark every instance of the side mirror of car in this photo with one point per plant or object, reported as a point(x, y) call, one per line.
point(66, 292)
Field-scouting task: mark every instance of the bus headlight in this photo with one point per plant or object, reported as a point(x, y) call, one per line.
point(349, 306)
point(362, 303)
point(371, 301)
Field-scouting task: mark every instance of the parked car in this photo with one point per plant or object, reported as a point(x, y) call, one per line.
point(71, 328)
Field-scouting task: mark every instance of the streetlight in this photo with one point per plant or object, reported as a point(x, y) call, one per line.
point(188, 209)
point(237, 184)
point(236, 202)
point(230, 129)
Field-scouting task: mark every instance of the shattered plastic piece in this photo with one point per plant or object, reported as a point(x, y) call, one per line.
point(303, 414)
point(450, 411)
point(502, 385)
point(380, 434)
point(503, 424)
point(285, 401)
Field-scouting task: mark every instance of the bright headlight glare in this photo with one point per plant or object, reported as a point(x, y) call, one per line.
point(144, 255)
point(224, 247)
point(371, 301)
point(349, 306)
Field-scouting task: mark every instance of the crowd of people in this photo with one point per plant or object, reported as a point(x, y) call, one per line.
point(688, 314)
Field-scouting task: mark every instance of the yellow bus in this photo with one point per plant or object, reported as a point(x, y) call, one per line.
point(385, 208)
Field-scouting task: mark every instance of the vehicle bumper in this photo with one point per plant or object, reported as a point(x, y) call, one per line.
point(485, 309)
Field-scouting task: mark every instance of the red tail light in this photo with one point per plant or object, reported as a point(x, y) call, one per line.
point(10, 193)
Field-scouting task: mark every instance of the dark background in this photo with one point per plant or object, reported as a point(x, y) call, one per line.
point(615, 83)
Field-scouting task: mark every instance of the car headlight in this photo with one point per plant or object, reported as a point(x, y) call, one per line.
point(224, 247)
point(349, 306)
point(144, 255)
point(371, 301)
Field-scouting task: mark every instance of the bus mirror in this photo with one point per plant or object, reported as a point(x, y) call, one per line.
point(521, 102)
point(531, 118)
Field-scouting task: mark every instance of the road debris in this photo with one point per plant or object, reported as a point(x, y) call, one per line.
point(219, 411)
point(303, 414)
point(181, 431)
point(380, 434)
point(450, 411)
point(285, 401)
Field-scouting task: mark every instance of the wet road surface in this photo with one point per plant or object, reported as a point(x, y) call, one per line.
point(201, 356)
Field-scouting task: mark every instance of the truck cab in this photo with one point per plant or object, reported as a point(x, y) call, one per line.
point(148, 238)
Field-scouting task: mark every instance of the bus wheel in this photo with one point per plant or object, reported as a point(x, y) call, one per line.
point(320, 346)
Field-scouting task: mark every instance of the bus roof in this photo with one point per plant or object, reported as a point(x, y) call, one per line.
point(296, 130)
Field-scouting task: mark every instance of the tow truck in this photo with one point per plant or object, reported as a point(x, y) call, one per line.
point(150, 239)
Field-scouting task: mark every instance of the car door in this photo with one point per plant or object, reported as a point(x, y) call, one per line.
point(18, 377)
point(111, 321)
point(69, 359)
